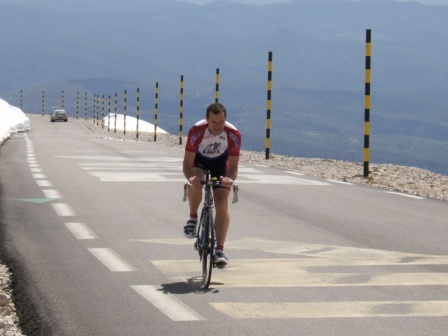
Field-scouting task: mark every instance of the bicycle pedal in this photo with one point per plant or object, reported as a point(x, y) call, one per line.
point(221, 265)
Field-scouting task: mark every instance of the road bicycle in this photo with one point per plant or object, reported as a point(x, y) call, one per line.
point(205, 233)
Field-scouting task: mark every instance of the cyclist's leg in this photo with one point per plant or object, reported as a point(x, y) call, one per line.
point(195, 194)
point(222, 219)
point(194, 200)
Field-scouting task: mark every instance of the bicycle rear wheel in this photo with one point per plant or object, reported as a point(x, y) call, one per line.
point(208, 252)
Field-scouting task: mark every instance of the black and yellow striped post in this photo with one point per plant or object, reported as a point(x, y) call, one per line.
point(108, 114)
point(85, 105)
point(21, 99)
point(77, 105)
point(115, 110)
point(367, 103)
point(217, 86)
point(269, 107)
point(43, 103)
point(156, 111)
point(62, 100)
point(124, 112)
point(102, 111)
point(94, 109)
point(138, 111)
point(181, 108)
point(97, 109)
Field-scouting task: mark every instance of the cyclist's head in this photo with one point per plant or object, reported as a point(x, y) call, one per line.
point(216, 108)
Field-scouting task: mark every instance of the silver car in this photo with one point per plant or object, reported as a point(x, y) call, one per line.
point(60, 115)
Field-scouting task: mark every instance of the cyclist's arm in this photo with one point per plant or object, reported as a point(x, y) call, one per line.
point(188, 170)
point(188, 164)
point(232, 169)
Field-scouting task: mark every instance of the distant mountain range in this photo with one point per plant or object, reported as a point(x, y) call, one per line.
point(104, 47)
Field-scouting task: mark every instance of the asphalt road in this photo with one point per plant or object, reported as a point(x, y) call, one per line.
point(93, 230)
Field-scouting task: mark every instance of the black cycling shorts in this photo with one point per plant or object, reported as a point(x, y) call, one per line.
point(217, 167)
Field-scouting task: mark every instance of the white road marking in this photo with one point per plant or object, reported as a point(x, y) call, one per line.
point(34, 165)
point(63, 209)
point(121, 165)
point(310, 269)
point(51, 193)
point(243, 273)
point(39, 176)
point(44, 183)
point(340, 182)
point(279, 179)
point(405, 195)
point(167, 304)
point(35, 170)
point(112, 260)
point(294, 173)
point(168, 169)
point(81, 231)
point(138, 177)
point(343, 309)
point(119, 158)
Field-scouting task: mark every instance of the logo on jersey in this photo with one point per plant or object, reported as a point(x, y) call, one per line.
point(195, 136)
point(212, 149)
point(235, 139)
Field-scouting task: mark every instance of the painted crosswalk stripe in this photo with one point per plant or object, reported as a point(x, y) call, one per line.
point(112, 260)
point(167, 303)
point(333, 309)
point(39, 176)
point(81, 231)
point(63, 209)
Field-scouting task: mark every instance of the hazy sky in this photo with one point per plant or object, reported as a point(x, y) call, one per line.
point(254, 2)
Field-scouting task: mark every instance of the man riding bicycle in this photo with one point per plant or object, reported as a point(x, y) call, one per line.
point(212, 144)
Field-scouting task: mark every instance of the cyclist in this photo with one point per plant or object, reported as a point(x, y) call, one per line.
point(212, 144)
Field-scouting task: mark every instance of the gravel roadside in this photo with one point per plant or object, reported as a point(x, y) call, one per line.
point(413, 181)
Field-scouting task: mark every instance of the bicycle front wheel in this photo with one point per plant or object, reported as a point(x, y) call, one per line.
point(208, 248)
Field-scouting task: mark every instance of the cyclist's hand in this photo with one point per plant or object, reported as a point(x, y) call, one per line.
point(225, 181)
point(195, 181)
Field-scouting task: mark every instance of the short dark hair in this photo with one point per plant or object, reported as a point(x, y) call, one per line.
point(216, 108)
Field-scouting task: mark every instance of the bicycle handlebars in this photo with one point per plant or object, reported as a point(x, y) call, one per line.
point(212, 183)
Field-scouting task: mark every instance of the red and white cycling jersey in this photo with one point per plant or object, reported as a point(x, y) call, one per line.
point(210, 147)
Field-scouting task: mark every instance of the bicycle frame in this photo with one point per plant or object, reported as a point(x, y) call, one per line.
point(205, 233)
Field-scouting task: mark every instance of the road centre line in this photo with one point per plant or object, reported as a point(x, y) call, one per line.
point(44, 183)
point(167, 304)
point(112, 260)
point(63, 209)
point(51, 193)
point(81, 231)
